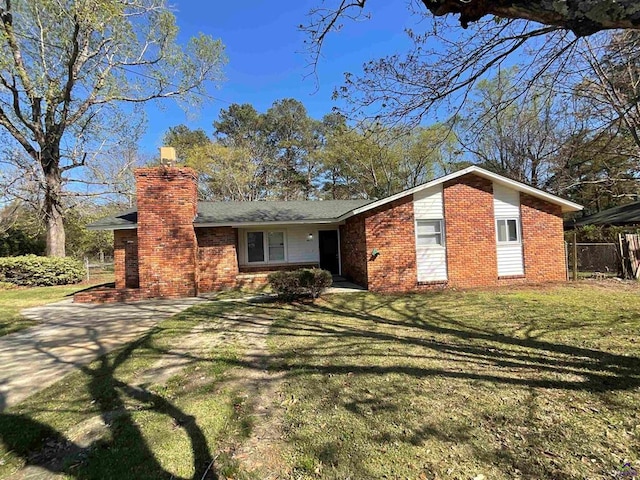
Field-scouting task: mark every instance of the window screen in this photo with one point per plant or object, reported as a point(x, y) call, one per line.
point(276, 246)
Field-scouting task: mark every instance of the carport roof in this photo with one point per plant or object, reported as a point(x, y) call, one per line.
point(628, 214)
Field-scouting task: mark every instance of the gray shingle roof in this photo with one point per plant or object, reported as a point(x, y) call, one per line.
point(127, 219)
point(628, 214)
point(220, 213)
point(274, 211)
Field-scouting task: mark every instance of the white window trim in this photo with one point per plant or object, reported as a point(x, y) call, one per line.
point(442, 234)
point(518, 231)
point(265, 244)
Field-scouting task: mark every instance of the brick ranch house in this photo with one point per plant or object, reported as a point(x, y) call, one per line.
point(471, 228)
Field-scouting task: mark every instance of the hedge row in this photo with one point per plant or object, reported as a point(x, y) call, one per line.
point(34, 271)
point(300, 283)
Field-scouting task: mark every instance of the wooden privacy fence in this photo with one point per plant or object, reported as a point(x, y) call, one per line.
point(629, 245)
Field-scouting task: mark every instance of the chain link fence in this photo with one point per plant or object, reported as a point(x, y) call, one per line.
point(99, 265)
point(595, 258)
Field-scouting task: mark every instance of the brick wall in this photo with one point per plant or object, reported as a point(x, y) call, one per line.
point(217, 258)
point(167, 205)
point(470, 232)
point(285, 267)
point(353, 250)
point(543, 240)
point(125, 258)
point(110, 295)
point(390, 230)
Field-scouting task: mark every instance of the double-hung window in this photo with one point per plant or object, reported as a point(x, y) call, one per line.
point(275, 243)
point(508, 230)
point(429, 232)
point(265, 247)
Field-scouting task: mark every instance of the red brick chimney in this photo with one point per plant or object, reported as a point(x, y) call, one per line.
point(167, 246)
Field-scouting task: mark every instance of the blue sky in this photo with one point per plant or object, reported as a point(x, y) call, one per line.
point(266, 56)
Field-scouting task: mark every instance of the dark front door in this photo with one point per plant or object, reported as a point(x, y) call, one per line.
point(328, 240)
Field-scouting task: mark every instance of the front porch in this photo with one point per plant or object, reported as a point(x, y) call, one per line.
point(342, 285)
point(288, 247)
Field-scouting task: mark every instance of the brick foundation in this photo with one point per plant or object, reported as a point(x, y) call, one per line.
point(266, 269)
point(252, 280)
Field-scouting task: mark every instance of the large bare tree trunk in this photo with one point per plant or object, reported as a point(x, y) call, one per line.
point(583, 17)
point(53, 208)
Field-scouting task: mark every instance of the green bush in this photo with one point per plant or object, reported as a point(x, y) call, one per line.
point(34, 271)
point(300, 283)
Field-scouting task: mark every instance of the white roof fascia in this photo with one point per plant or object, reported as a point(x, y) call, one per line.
point(114, 227)
point(567, 206)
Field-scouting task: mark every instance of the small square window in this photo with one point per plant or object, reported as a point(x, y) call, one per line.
point(507, 229)
point(429, 232)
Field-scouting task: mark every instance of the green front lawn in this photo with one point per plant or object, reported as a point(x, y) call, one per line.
point(14, 300)
point(523, 383)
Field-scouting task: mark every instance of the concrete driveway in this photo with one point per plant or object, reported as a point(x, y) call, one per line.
point(71, 335)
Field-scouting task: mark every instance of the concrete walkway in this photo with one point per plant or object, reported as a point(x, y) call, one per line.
point(71, 335)
point(340, 285)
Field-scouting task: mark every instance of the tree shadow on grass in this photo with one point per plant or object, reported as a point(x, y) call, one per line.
point(126, 453)
point(360, 338)
point(552, 365)
point(408, 342)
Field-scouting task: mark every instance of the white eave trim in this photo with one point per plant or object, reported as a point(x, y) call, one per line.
point(114, 227)
point(566, 205)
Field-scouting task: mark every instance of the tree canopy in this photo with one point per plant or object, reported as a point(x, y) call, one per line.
point(72, 75)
